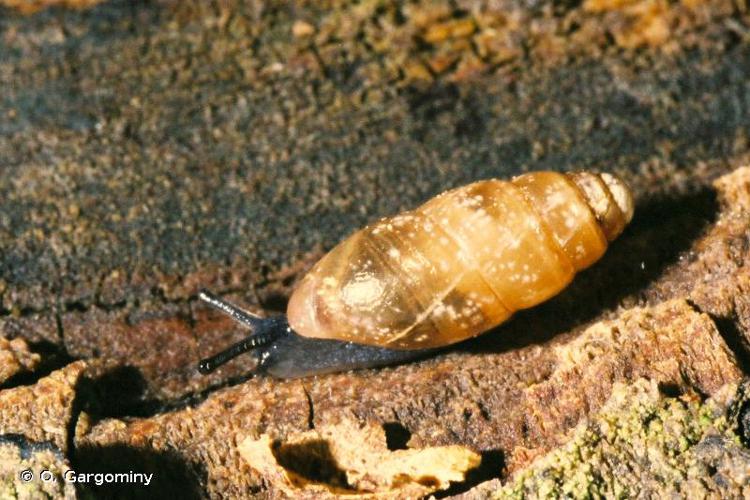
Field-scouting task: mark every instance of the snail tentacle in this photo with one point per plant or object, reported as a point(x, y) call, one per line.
point(265, 331)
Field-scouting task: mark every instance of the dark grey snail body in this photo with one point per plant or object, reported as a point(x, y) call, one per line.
point(289, 355)
point(455, 267)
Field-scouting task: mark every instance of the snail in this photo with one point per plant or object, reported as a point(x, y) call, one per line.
point(455, 267)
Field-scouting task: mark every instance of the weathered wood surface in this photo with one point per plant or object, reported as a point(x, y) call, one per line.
point(149, 150)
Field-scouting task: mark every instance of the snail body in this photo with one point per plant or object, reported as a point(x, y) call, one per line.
point(453, 268)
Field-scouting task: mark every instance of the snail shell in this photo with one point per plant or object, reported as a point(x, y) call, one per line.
point(463, 262)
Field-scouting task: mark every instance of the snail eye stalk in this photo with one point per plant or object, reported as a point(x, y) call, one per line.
point(264, 331)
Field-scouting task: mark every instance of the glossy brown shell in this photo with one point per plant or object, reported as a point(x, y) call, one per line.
point(461, 263)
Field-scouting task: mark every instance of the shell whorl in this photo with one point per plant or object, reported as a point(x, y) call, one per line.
point(461, 263)
point(609, 199)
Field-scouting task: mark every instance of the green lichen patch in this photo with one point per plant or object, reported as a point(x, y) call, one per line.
point(643, 443)
point(33, 470)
